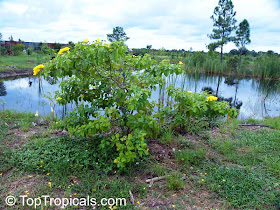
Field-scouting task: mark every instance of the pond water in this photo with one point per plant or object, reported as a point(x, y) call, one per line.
point(254, 98)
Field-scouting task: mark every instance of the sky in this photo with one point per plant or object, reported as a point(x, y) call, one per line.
point(176, 24)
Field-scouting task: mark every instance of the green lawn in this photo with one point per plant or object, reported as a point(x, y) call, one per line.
point(224, 167)
point(22, 62)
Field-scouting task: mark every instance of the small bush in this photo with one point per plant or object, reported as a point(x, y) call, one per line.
point(175, 181)
point(18, 49)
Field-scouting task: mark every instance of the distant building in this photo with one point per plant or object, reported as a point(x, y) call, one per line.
point(36, 45)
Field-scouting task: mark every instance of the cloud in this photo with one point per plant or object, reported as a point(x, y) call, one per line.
point(170, 24)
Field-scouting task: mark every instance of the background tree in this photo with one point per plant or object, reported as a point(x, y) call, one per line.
point(148, 48)
point(224, 24)
point(11, 38)
point(18, 49)
point(242, 37)
point(71, 44)
point(45, 49)
point(117, 35)
point(57, 46)
point(30, 50)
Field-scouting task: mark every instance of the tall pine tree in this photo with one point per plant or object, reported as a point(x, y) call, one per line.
point(224, 25)
point(242, 36)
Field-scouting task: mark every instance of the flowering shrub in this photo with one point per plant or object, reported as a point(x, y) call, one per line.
point(111, 93)
point(112, 89)
point(185, 104)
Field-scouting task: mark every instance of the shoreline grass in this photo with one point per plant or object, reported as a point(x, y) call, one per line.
point(262, 66)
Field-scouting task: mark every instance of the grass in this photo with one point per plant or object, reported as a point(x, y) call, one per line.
point(22, 62)
point(222, 167)
point(190, 156)
point(244, 187)
point(262, 66)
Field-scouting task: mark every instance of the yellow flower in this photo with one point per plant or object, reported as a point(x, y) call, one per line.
point(26, 192)
point(219, 186)
point(182, 159)
point(94, 190)
point(115, 161)
point(37, 69)
point(48, 174)
point(115, 172)
point(180, 62)
point(202, 180)
point(75, 193)
point(63, 50)
point(224, 180)
point(59, 98)
point(189, 91)
point(144, 188)
point(138, 202)
point(86, 40)
point(134, 56)
point(211, 98)
point(52, 111)
point(98, 40)
point(56, 123)
point(50, 184)
point(37, 114)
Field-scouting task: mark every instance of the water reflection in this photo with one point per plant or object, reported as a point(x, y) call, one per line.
point(3, 91)
point(27, 94)
point(254, 98)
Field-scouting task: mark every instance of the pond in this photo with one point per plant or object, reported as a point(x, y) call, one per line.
point(255, 98)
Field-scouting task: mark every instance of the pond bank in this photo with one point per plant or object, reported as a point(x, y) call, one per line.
point(16, 73)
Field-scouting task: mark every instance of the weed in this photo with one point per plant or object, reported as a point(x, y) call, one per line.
point(189, 156)
point(167, 136)
point(175, 181)
point(184, 142)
